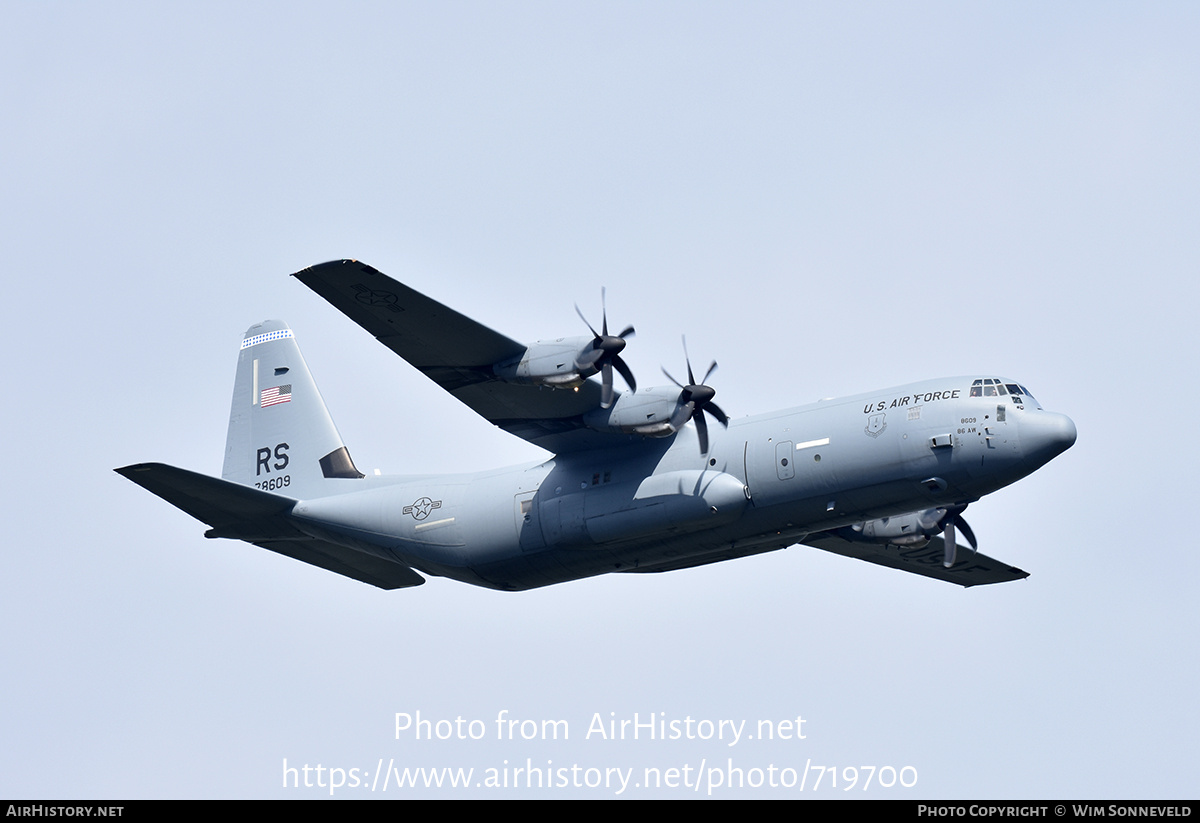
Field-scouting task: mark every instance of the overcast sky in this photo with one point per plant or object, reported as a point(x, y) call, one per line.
point(826, 198)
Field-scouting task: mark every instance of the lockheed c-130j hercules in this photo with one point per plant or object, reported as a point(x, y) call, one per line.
point(638, 482)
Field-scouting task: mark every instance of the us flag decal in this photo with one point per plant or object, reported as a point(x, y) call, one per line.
point(279, 394)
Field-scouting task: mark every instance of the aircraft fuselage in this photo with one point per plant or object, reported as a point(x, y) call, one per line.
point(766, 483)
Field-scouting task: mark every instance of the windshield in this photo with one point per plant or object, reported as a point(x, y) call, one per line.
point(995, 387)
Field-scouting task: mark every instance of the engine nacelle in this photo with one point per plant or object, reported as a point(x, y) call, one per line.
point(912, 529)
point(553, 363)
point(647, 412)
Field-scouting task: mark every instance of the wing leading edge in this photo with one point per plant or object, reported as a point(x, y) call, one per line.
point(459, 354)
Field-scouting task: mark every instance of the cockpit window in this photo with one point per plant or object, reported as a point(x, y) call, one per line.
point(1020, 394)
point(995, 387)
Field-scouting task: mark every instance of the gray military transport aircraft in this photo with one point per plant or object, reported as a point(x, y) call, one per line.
point(637, 481)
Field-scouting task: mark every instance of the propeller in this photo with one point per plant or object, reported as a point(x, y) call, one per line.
point(952, 518)
point(695, 400)
point(605, 354)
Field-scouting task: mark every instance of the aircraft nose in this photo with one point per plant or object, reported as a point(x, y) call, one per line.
point(1045, 435)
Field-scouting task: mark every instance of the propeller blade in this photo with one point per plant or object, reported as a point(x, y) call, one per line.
point(951, 544)
point(715, 411)
point(687, 359)
point(589, 359)
point(620, 366)
point(967, 531)
point(606, 386)
point(579, 311)
point(682, 415)
point(701, 432)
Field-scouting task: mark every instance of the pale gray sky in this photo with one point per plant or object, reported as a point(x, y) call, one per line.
point(827, 198)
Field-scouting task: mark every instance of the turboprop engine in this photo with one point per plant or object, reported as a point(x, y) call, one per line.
point(915, 529)
point(647, 413)
point(549, 363)
point(568, 361)
point(660, 412)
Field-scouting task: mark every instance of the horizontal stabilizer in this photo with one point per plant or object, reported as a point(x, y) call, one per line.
point(261, 518)
point(360, 566)
point(231, 509)
point(972, 569)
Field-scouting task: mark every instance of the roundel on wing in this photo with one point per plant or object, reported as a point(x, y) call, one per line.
point(374, 297)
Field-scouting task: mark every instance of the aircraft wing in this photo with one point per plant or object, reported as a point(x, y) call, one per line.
point(970, 569)
point(458, 353)
point(259, 517)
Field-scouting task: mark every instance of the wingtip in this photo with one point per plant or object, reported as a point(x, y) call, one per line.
point(345, 261)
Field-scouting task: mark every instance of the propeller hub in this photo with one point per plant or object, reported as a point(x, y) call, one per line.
point(611, 345)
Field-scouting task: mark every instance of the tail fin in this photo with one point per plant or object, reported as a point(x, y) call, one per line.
point(281, 437)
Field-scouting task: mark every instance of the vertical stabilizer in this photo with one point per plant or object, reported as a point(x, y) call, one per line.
point(281, 437)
